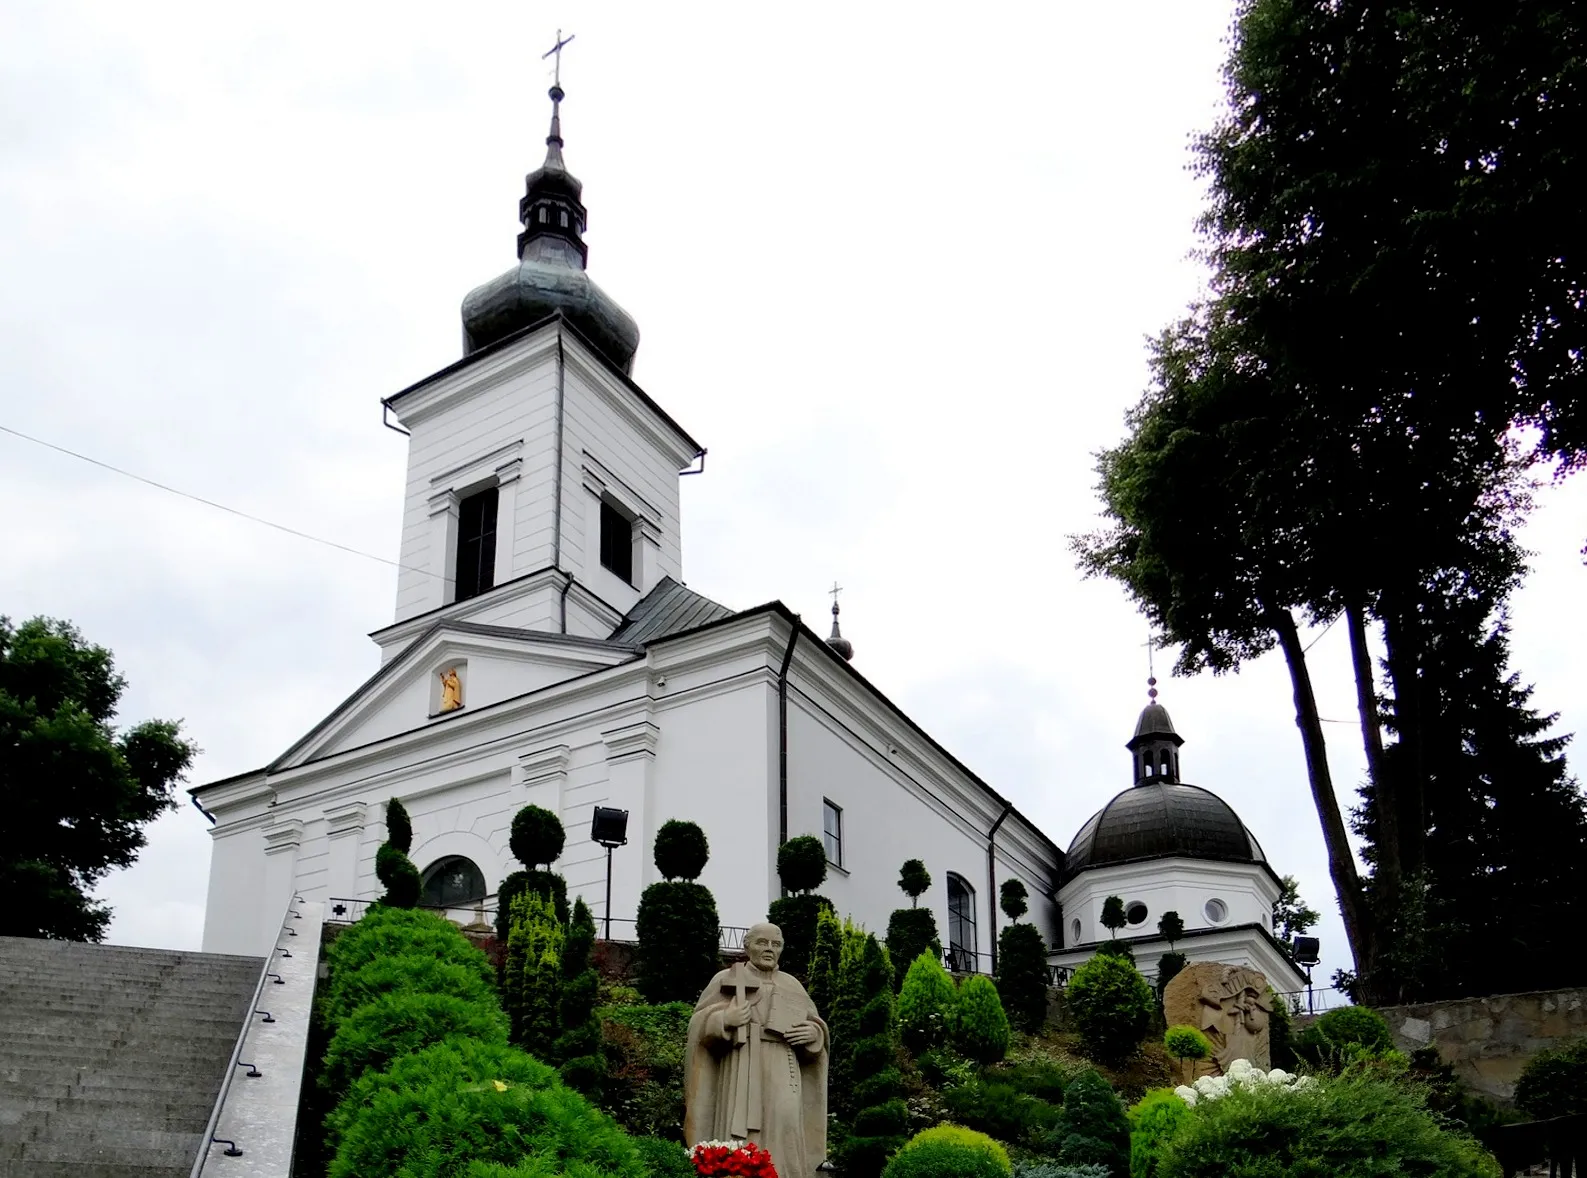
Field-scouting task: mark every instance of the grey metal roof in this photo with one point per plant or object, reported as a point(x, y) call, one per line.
point(1154, 721)
point(1161, 820)
point(669, 608)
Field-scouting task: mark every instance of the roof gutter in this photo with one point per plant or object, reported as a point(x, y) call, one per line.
point(199, 806)
point(991, 875)
point(782, 734)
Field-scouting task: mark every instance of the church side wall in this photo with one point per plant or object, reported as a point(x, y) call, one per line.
point(233, 913)
point(889, 815)
point(593, 426)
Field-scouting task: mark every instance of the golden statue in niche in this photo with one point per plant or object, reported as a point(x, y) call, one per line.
point(451, 691)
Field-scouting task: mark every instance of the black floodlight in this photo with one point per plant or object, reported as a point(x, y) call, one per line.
point(1306, 950)
point(609, 827)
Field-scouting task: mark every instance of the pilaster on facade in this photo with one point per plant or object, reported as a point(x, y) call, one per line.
point(283, 836)
point(542, 774)
point(344, 830)
point(631, 741)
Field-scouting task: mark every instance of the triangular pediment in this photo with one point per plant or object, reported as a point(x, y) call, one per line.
point(452, 661)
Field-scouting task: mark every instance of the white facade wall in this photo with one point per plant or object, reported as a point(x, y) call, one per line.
point(1185, 886)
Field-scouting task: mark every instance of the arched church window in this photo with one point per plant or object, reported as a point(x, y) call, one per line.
point(542, 214)
point(453, 882)
point(961, 924)
point(564, 219)
point(1162, 763)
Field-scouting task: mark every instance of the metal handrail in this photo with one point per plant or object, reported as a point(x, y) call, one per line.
point(233, 1063)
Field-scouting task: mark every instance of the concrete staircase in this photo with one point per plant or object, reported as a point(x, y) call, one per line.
point(111, 1058)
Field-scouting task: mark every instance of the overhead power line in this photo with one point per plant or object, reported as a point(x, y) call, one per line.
point(301, 535)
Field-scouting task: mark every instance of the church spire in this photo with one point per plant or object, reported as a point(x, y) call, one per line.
point(1155, 745)
point(835, 640)
point(552, 210)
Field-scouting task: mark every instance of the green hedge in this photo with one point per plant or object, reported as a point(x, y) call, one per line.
point(1002, 1111)
point(386, 932)
point(644, 1048)
point(431, 1113)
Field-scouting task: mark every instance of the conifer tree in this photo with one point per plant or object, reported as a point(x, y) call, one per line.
point(980, 1027)
point(536, 838)
point(822, 985)
point(879, 1124)
point(578, 1048)
point(844, 1019)
point(393, 868)
point(927, 1004)
point(533, 975)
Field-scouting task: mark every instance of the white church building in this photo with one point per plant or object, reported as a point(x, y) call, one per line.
point(545, 649)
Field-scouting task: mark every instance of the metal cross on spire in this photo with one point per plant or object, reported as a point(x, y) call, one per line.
point(835, 590)
point(557, 50)
point(1151, 671)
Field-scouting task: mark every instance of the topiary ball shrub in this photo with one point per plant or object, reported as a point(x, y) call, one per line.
point(537, 836)
point(926, 1004)
point(949, 1151)
point(802, 864)
point(1356, 1126)
point(1343, 1035)
point(682, 850)
point(1014, 899)
point(1554, 1083)
point(796, 916)
point(911, 932)
point(914, 880)
point(399, 828)
point(1112, 1007)
point(1153, 1123)
point(679, 938)
point(400, 1023)
point(432, 1113)
point(1022, 975)
point(402, 879)
point(1092, 1129)
point(979, 1028)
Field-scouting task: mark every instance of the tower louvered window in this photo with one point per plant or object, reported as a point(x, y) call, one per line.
point(476, 544)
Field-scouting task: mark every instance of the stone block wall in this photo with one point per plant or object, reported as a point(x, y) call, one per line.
point(1489, 1040)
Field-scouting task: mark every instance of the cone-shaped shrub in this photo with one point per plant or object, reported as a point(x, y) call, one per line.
point(879, 1124)
point(1153, 1123)
point(1092, 1129)
point(547, 884)
point(678, 930)
point(980, 1026)
point(844, 1021)
point(1022, 975)
point(532, 976)
point(399, 828)
point(822, 985)
point(1112, 1007)
point(578, 1048)
point(926, 1005)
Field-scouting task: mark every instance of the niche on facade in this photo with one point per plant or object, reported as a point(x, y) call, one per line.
point(449, 687)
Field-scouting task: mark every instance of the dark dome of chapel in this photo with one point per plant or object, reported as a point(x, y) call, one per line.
point(1162, 820)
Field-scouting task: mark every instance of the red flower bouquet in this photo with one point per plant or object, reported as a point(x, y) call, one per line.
point(731, 1159)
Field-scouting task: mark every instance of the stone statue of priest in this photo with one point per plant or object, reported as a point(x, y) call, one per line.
point(756, 1063)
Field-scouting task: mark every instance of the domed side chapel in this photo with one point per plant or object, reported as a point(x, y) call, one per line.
point(545, 649)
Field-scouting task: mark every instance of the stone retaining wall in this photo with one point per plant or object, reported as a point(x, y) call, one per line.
point(1489, 1040)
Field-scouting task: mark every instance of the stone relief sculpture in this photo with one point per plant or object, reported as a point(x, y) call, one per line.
point(451, 691)
point(755, 1068)
point(1227, 1003)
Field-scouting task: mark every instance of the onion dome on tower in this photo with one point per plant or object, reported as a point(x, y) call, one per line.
point(1160, 817)
point(550, 274)
point(835, 640)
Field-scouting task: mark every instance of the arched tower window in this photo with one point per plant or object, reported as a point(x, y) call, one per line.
point(961, 924)
point(453, 882)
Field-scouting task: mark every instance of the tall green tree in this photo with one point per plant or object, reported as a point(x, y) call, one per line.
point(75, 791)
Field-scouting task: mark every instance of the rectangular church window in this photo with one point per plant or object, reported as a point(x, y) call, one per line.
point(476, 544)
point(832, 832)
point(617, 542)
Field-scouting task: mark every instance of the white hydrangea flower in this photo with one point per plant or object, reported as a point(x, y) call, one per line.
point(1186, 1093)
point(1240, 1069)
point(1280, 1076)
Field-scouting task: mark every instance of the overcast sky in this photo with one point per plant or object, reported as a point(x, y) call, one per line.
point(894, 270)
